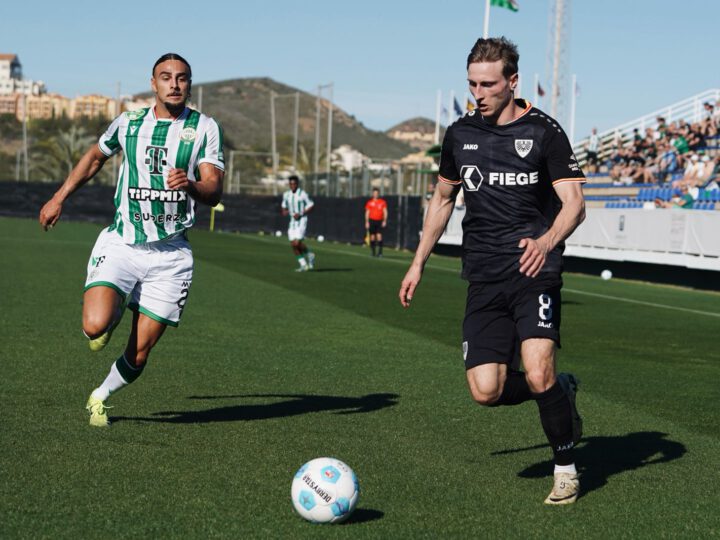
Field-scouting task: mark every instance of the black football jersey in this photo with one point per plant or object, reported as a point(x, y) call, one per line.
point(507, 173)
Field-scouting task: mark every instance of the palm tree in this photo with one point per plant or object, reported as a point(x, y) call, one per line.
point(53, 158)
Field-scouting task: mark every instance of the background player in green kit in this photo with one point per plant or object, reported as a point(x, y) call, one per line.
point(297, 204)
point(523, 197)
point(172, 158)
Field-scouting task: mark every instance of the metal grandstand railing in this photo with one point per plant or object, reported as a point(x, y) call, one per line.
point(690, 109)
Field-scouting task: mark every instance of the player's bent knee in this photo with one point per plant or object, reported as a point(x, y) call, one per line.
point(540, 380)
point(94, 327)
point(484, 398)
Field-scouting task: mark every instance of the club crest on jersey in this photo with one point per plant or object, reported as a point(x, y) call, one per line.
point(136, 115)
point(472, 177)
point(188, 134)
point(523, 146)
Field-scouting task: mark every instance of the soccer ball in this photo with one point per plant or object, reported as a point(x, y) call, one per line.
point(278, 233)
point(321, 238)
point(325, 490)
point(606, 274)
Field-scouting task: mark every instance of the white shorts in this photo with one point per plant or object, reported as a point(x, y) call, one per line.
point(296, 230)
point(158, 275)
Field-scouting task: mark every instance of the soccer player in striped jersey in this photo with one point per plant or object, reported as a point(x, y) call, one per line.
point(297, 204)
point(172, 159)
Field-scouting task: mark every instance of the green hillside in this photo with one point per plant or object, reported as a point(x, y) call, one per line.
point(242, 106)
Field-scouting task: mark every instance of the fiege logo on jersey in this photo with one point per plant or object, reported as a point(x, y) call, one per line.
point(473, 179)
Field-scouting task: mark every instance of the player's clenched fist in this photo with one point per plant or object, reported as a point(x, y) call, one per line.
point(177, 179)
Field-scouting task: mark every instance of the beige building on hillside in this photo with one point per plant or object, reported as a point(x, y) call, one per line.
point(93, 105)
point(45, 106)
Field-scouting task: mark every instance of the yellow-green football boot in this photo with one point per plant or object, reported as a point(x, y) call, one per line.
point(98, 412)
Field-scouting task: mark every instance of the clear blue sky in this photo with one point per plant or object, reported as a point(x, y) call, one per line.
point(386, 58)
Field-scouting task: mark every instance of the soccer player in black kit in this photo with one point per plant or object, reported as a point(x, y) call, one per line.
point(523, 198)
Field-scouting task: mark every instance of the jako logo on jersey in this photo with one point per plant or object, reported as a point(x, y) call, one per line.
point(470, 147)
point(162, 195)
point(472, 177)
point(188, 134)
point(523, 146)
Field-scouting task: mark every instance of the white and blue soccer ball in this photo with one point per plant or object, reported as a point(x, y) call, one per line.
point(325, 490)
point(606, 274)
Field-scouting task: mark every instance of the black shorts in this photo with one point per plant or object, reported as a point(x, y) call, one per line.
point(591, 157)
point(375, 226)
point(502, 314)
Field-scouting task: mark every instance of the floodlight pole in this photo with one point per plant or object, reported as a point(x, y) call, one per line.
point(486, 25)
point(437, 116)
point(273, 136)
point(296, 129)
point(573, 99)
point(329, 129)
point(25, 139)
point(317, 130)
point(273, 97)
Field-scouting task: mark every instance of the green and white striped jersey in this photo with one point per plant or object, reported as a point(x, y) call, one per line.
point(146, 210)
point(296, 203)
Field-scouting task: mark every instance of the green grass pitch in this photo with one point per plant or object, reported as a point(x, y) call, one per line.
point(271, 368)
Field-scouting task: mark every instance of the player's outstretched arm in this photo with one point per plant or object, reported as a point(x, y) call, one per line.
point(570, 216)
point(207, 189)
point(86, 168)
point(438, 215)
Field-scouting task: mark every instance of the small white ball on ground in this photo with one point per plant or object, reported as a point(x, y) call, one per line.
point(278, 233)
point(606, 274)
point(320, 238)
point(325, 490)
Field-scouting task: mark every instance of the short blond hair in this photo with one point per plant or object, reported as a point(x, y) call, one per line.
point(494, 49)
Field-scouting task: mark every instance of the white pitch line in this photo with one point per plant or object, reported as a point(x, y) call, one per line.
point(605, 296)
point(643, 303)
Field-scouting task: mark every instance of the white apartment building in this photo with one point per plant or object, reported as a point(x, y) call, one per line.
point(11, 80)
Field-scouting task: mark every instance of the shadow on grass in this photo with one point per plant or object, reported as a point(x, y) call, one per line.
point(362, 515)
point(291, 405)
point(599, 458)
point(316, 270)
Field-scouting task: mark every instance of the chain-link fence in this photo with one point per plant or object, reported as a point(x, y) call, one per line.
point(244, 176)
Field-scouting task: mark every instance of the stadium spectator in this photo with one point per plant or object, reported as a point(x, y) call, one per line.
point(669, 163)
point(693, 170)
point(376, 214)
point(143, 260)
point(512, 250)
point(593, 149)
point(684, 200)
point(297, 204)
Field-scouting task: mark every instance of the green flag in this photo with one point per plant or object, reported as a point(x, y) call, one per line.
point(512, 5)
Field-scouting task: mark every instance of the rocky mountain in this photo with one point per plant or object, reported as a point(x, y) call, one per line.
point(417, 132)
